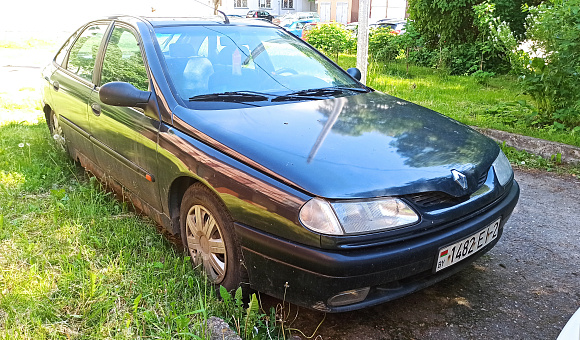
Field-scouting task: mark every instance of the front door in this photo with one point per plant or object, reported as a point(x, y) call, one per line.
point(125, 138)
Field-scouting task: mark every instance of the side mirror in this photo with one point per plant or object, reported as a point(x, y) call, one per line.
point(354, 72)
point(119, 93)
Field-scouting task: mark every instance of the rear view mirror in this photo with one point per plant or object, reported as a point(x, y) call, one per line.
point(119, 93)
point(354, 72)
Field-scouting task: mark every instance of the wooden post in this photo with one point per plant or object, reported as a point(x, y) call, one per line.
point(362, 50)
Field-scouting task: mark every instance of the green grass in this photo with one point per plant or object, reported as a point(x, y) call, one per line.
point(76, 264)
point(498, 105)
point(28, 43)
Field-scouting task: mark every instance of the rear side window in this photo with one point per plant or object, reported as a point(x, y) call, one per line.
point(83, 53)
point(59, 58)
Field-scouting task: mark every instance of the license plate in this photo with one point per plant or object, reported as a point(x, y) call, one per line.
point(463, 249)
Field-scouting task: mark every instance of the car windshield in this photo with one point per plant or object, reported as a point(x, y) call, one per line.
point(206, 60)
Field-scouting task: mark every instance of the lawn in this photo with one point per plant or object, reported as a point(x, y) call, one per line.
point(76, 263)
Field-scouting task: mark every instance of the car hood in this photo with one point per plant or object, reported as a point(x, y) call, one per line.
point(360, 146)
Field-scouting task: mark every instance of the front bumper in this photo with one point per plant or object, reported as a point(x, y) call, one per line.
point(309, 276)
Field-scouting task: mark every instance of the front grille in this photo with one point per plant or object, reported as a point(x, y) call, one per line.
point(431, 198)
point(481, 180)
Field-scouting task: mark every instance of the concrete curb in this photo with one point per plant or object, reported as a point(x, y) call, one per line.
point(546, 149)
point(218, 329)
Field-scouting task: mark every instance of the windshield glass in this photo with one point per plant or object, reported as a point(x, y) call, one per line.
point(206, 60)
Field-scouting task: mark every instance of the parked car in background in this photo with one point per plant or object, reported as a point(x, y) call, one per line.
point(296, 27)
point(396, 25)
point(571, 330)
point(260, 14)
point(298, 16)
point(277, 168)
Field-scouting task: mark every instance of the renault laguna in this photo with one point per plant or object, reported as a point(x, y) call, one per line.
point(279, 170)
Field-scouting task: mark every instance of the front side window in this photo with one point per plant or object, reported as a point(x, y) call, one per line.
point(241, 3)
point(83, 54)
point(123, 60)
point(287, 4)
point(216, 59)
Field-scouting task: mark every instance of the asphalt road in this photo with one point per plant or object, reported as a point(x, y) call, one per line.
point(527, 287)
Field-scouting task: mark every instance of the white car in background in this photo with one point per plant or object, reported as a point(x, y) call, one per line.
point(572, 329)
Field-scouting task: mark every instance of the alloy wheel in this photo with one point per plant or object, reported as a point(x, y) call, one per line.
point(205, 242)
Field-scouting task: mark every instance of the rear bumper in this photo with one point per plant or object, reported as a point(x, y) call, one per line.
point(309, 276)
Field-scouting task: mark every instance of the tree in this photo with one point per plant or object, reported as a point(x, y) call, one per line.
point(444, 22)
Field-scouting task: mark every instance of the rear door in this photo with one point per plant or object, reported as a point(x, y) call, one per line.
point(125, 138)
point(72, 84)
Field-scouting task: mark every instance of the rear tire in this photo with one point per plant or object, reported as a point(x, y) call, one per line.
point(56, 131)
point(208, 236)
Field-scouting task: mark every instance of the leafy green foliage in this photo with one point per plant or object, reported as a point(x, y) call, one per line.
point(464, 36)
point(552, 79)
point(332, 39)
point(249, 323)
point(383, 44)
point(482, 77)
point(444, 22)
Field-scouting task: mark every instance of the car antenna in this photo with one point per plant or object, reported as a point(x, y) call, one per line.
point(226, 19)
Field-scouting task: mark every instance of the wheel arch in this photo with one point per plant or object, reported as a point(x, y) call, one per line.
point(47, 109)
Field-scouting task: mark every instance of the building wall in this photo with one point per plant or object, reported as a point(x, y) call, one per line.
point(350, 15)
point(392, 9)
point(380, 9)
point(274, 8)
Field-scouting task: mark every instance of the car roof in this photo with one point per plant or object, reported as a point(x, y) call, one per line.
point(391, 21)
point(192, 21)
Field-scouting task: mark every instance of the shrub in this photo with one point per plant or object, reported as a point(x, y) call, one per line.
point(332, 39)
point(553, 81)
point(383, 45)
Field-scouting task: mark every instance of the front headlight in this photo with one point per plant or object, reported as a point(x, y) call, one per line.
point(356, 216)
point(503, 169)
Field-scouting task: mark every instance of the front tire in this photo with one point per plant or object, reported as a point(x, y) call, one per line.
point(208, 236)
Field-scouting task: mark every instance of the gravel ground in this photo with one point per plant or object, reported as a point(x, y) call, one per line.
point(527, 287)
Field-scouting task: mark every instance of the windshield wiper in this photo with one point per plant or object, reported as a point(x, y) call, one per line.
point(317, 94)
point(235, 97)
point(354, 89)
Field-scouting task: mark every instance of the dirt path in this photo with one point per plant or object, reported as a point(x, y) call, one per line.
point(525, 288)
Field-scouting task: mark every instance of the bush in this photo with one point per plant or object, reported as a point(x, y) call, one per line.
point(553, 81)
point(383, 45)
point(332, 39)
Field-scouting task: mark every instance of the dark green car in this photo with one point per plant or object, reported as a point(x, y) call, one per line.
point(279, 170)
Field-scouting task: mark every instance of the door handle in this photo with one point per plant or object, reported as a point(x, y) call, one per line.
point(56, 85)
point(96, 109)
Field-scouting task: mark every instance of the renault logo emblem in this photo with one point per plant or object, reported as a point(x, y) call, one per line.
point(459, 178)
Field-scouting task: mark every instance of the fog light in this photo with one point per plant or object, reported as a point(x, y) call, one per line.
point(349, 297)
